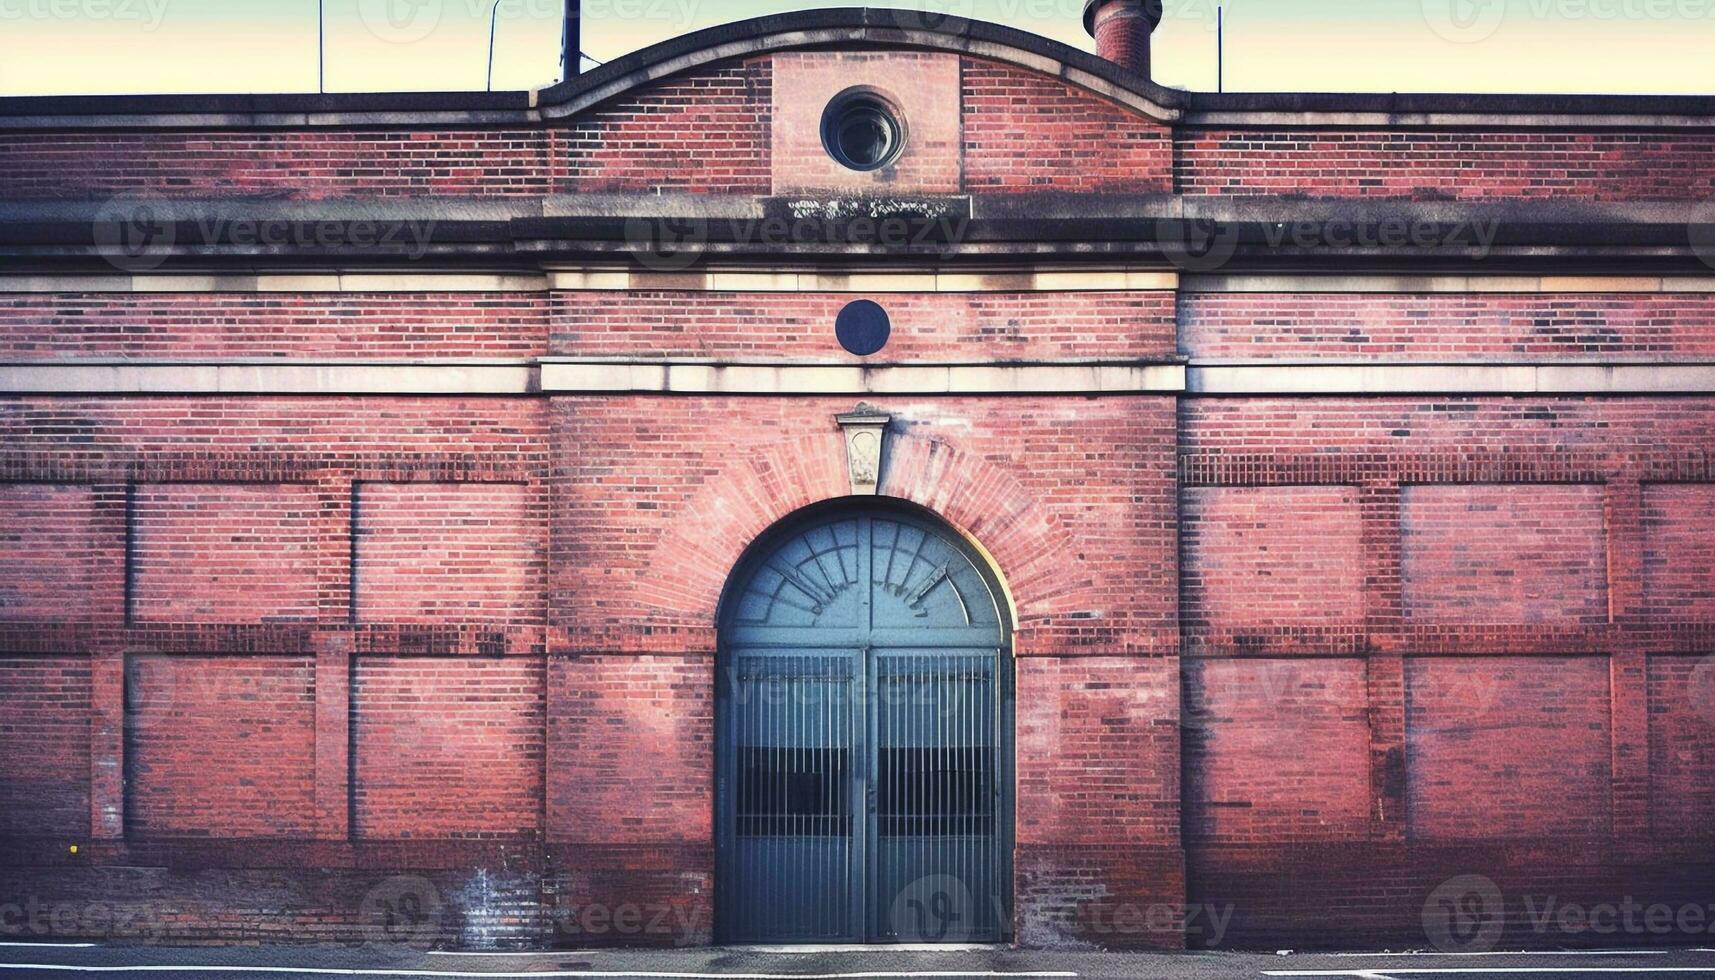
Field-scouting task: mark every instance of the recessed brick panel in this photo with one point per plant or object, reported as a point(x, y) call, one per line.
point(49, 553)
point(447, 747)
point(1453, 326)
point(1399, 437)
point(234, 553)
point(1505, 554)
point(1447, 164)
point(1682, 746)
point(308, 430)
point(1507, 747)
point(924, 89)
point(1098, 751)
point(323, 325)
point(220, 746)
point(435, 552)
point(44, 746)
point(1271, 556)
point(631, 749)
point(1276, 750)
point(1679, 550)
point(297, 164)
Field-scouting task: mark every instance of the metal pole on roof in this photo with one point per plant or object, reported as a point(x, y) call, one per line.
point(493, 15)
point(321, 46)
point(1220, 49)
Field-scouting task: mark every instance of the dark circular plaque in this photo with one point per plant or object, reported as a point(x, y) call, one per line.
point(862, 327)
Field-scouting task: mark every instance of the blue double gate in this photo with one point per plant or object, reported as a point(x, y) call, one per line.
point(864, 753)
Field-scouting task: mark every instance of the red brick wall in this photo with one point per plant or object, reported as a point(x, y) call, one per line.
point(631, 749)
point(279, 433)
point(1496, 744)
point(1026, 132)
point(1679, 550)
point(49, 550)
point(1441, 165)
point(44, 325)
point(447, 747)
point(1276, 751)
point(1074, 497)
point(944, 326)
point(1482, 327)
point(1119, 718)
point(1508, 747)
point(1253, 558)
point(302, 165)
point(1405, 438)
point(1098, 801)
point(1682, 747)
point(706, 131)
point(224, 553)
point(44, 747)
point(220, 746)
point(1504, 554)
point(469, 553)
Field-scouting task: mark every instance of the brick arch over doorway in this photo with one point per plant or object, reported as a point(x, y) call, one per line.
point(750, 492)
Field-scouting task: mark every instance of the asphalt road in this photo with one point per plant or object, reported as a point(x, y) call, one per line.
point(22, 961)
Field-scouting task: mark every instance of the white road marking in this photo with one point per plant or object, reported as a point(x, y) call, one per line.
point(1429, 971)
point(54, 945)
point(634, 975)
point(1526, 952)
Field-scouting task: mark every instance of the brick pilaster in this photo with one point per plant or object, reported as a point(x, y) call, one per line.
point(1384, 606)
point(336, 499)
point(1628, 667)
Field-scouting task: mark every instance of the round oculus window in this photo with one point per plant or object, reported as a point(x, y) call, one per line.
point(862, 131)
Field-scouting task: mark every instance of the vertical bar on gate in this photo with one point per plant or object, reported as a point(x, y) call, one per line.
point(788, 854)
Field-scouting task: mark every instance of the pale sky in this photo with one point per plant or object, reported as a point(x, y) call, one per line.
point(158, 46)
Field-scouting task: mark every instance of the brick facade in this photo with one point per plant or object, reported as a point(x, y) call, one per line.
point(273, 659)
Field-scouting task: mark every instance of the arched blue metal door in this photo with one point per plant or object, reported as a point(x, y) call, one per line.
point(864, 755)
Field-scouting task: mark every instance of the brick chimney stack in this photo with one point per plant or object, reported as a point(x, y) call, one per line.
point(1121, 29)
